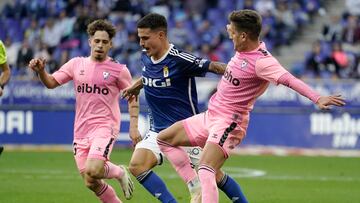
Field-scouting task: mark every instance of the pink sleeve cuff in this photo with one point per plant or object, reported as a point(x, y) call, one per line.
point(299, 86)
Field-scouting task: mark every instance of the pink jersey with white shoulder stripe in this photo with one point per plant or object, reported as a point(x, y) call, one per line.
point(97, 88)
point(247, 76)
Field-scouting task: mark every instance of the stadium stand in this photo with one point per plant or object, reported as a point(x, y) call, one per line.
point(56, 30)
point(335, 54)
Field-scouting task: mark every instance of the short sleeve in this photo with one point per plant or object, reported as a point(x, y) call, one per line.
point(194, 66)
point(65, 73)
point(2, 53)
point(268, 68)
point(124, 79)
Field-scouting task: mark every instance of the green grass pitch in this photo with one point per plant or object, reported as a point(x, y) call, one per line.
point(51, 177)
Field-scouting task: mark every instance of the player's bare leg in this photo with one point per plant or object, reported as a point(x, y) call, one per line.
point(141, 163)
point(95, 171)
point(169, 141)
point(142, 160)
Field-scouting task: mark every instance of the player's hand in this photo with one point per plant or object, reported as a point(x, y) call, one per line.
point(131, 92)
point(1, 91)
point(37, 64)
point(325, 102)
point(135, 136)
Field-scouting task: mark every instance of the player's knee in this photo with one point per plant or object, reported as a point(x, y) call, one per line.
point(162, 136)
point(136, 168)
point(94, 172)
point(219, 176)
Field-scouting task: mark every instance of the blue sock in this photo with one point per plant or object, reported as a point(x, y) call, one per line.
point(232, 189)
point(155, 186)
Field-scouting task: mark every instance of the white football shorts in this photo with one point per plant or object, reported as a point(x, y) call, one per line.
point(149, 142)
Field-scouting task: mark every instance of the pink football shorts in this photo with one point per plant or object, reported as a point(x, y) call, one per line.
point(92, 147)
point(224, 132)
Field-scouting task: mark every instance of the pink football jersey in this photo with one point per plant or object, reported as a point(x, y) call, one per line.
point(97, 88)
point(247, 76)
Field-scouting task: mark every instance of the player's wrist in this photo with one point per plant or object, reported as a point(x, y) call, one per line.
point(133, 129)
point(41, 71)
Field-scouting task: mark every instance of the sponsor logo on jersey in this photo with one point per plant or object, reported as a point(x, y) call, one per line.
point(244, 63)
point(86, 88)
point(156, 82)
point(228, 76)
point(106, 75)
point(166, 71)
point(200, 62)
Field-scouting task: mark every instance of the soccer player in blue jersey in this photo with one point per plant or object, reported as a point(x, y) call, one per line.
point(168, 79)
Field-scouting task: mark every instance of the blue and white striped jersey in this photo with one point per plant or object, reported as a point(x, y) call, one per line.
point(169, 86)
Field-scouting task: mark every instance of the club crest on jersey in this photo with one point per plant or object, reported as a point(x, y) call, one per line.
point(166, 71)
point(106, 75)
point(244, 63)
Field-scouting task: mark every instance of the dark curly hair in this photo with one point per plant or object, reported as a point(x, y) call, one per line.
point(101, 25)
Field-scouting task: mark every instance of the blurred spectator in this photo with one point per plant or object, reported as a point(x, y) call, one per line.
point(42, 52)
point(52, 65)
point(161, 7)
point(178, 35)
point(317, 61)
point(351, 30)
point(208, 52)
point(25, 54)
point(300, 16)
point(12, 49)
point(52, 34)
point(339, 59)
point(333, 30)
point(33, 33)
point(353, 7)
point(285, 21)
point(265, 6)
point(247, 4)
point(120, 38)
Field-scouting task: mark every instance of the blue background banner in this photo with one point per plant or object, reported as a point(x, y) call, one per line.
point(306, 130)
point(281, 117)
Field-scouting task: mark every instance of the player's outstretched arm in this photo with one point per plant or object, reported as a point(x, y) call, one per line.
point(324, 102)
point(217, 67)
point(38, 65)
point(133, 91)
point(134, 133)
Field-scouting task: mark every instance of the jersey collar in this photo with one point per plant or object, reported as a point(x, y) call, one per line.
point(163, 57)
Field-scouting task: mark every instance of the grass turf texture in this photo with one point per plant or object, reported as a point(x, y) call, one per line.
point(46, 177)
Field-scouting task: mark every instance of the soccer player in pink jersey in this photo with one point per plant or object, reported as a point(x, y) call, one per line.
point(222, 127)
point(98, 81)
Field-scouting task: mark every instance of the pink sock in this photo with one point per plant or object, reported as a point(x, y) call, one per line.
point(112, 170)
point(179, 160)
point(209, 191)
point(107, 194)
